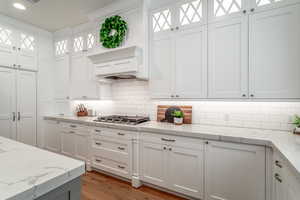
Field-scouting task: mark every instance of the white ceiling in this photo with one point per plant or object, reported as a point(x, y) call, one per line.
point(53, 15)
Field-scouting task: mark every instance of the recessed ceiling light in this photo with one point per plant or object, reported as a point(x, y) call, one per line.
point(19, 6)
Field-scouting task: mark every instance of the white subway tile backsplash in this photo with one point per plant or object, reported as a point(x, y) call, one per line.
point(132, 97)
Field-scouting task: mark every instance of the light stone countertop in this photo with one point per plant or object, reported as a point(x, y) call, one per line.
point(286, 143)
point(27, 172)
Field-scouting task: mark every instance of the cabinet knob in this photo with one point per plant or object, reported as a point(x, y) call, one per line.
point(19, 49)
point(170, 149)
point(252, 9)
point(277, 163)
point(19, 66)
point(177, 95)
point(165, 148)
point(206, 142)
point(177, 28)
point(252, 95)
point(172, 96)
point(97, 160)
point(243, 95)
point(68, 97)
point(277, 177)
point(172, 29)
point(244, 11)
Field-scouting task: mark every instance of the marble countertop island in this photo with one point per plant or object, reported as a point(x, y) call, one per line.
point(28, 172)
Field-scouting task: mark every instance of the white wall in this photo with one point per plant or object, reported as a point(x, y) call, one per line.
point(132, 97)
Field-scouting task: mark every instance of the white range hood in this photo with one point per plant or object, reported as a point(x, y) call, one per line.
point(120, 63)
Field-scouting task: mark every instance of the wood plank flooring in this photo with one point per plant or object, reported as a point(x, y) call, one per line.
point(96, 186)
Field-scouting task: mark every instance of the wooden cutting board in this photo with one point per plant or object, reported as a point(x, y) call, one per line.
point(187, 111)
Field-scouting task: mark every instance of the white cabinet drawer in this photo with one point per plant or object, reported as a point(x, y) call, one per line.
point(114, 155)
point(75, 128)
point(111, 166)
point(98, 133)
point(111, 145)
point(173, 140)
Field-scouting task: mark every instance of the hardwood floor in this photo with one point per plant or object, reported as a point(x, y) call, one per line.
point(96, 186)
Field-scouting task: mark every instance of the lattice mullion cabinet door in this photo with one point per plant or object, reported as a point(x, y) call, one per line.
point(161, 21)
point(7, 46)
point(78, 44)
point(27, 51)
point(90, 40)
point(262, 5)
point(190, 13)
point(227, 9)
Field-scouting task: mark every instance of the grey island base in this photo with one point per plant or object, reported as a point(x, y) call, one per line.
point(68, 191)
point(30, 173)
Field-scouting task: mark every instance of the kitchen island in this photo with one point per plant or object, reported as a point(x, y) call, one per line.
point(28, 173)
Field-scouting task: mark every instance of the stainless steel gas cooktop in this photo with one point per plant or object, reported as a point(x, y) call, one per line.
point(121, 119)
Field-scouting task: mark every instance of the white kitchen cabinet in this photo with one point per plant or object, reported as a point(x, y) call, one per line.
point(178, 51)
point(68, 142)
point(7, 46)
point(228, 58)
point(26, 107)
point(52, 135)
point(18, 49)
point(18, 107)
point(27, 51)
point(154, 164)
point(274, 53)
point(8, 103)
point(191, 63)
point(185, 170)
point(162, 67)
point(162, 157)
point(83, 83)
point(234, 171)
point(62, 77)
point(285, 183)
point(81, 146)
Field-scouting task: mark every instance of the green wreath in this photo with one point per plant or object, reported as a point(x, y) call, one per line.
point(113, 32)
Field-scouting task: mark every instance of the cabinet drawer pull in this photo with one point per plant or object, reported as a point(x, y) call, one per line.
point(72, 132)
point(277, 163)
point(98, 131)
point(168, 140)
point(121, 167)
point(14, 116)
point(97, 160)
point(170, 149)
point(121, 148)
point(165, 148)
point(98, 143)
point(122, 63)
point(73, 126)
point(121, 134)
point(277, 177)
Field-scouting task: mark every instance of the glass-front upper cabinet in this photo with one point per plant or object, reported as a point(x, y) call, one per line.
point(224, 9)
point(182, 13)
point(258, 5)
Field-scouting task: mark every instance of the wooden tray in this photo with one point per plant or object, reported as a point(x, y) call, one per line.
point(187, 111)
